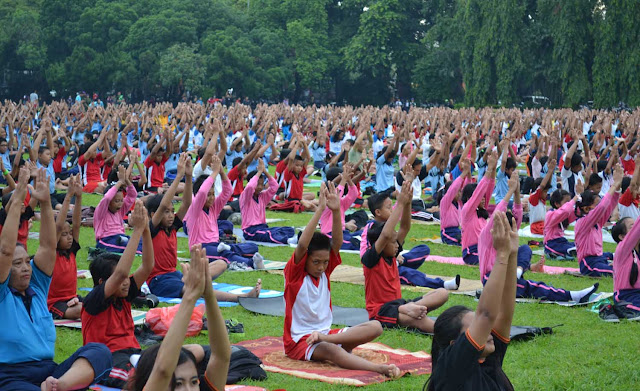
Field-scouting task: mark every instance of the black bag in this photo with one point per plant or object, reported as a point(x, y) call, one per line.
point(244, 365)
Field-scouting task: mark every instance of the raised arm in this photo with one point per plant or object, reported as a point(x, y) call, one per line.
point(45, 257)
point(144, 270)
point(569, 155)
point(333, 203)
point(502, 325)
point(9, 234)
point(386, 236)
point(187, 193)
point(167, 199)
point(307, 234)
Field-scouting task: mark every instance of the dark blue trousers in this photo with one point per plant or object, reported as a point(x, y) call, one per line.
point(264, 233)
point(597, 266)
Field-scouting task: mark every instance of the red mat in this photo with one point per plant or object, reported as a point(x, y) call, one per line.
point(459, 261)
point(271, 351)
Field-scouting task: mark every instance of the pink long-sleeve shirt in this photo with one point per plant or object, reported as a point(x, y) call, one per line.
point(472, 224)
point(552, 222)
point(326, 219)
point(486, 252)
point(624, 258)
point(589, 228)
point(203, 226)
point(106, 223)
point(450, 211)
point(254, 211)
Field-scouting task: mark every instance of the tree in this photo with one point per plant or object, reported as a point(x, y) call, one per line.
point(181, 69)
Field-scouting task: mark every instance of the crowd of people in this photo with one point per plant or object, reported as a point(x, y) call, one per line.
point(480, 173)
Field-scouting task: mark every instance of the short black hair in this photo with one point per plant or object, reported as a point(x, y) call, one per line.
point(319, 242)
point(236, 161)
point(374, 231)
point(557, 196)
point(511, 163)
point(153, 203)
point(333, 172)
point(594, 179)
point(298, 158)
point(102, 266)
point(376, 201)
point(199, 181)
point(576, 160)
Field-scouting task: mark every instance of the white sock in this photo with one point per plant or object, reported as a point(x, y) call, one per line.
point(223, 247)
point(293, 239)
point(452, 284)
point(519, 272)
point(258, 261)
point(583, 294)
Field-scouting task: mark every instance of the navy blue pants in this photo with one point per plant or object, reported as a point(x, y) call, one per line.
point(224, 226)
point(632, 296)
point(524, 257)
point(528, 289)
point(470, 255)
point(451, 236)
point(264, 233)
point(409, 276)
point(560, 248)
point(415, 257)
point(167, 285)
point(349, 241)
point(240, 253)
point(597, 266)
point(116, 243)
point(28, 376)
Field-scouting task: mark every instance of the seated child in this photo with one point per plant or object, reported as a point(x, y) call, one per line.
point(628, 203)
point(26, 213)
point(253, 203)
point(202, 224)
point(557, 220)
point(165, 280)
point(349, 241)
point(169, 363)
point(626, 285)
point(538, 200)
point(155, 163)
point(308, 317)
point(593, 214)
point(63, 300)
point(468, 348)
point(91, 163)
point(450, 207)
point(382, 280)
point(108, 218)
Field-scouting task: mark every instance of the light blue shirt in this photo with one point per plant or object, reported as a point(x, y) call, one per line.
point(51, 173)
point(502, 185)
point(6, 160)
point(318, 152)
point(231, 157)
point(26, 338)
point(384, 174)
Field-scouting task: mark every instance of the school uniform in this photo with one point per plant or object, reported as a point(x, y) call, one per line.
point(28, 338)
point(294, 184)
point(384, 175)
point(555, 244)
point(349, 240)
point(459, 366)
point(254, 226)
point(593, 262)
point(23, 228)
point(64, 281)
point(569, 180)
point(472, 225)
point(91, 171)
point(155, 172)
point(537, 211)
point(108, 320)
point(414, 257)
point(237, 183)
point(623, 259)
point(165, 280)
point(318, 153)
point(202, 225)
point(109, 227)
point(450, 214)
point(307, 306)
point(628, 205)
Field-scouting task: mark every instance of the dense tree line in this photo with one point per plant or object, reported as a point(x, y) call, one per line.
point(359, 51)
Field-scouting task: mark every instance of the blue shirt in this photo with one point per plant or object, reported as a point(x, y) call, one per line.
point(51, 173)
point(6, 160)
point(231, 156)
point(502, 185)
point(318, 152)
point(384, 174)
point(26, 336)
point(172, 163)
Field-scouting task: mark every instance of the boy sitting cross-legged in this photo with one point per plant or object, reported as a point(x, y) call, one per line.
point(308, 315)
point(382, 280)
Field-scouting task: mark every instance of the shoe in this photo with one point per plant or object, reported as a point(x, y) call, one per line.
point(233, 326)
point(625, 312)
point(608, 314)
point(238, 267)
point(235, 218)
point(587, 297)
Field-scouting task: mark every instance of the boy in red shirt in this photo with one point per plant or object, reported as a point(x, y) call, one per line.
point(91, 165)
point(383, 296)
point(155, 163)
point(63, 301)
point(307, 292)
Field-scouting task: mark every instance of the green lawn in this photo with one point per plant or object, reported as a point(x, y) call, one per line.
point(584, 354)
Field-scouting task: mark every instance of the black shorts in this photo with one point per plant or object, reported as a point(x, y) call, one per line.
point(388, 314)
point(59, 308)
point(122, 368)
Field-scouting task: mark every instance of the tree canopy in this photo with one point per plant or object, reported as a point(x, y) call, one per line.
point(357, 51)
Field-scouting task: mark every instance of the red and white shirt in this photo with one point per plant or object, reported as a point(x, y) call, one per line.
point(91, 169)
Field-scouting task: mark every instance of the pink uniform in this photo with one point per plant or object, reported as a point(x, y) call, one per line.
point(623, 258)
point(254, 211)
point(326, 219)
point(450, 212)
point(589, 228)
point(552, 227)
point(486, 252)
point(472, 224)
point(203, 225)
point(106, 223)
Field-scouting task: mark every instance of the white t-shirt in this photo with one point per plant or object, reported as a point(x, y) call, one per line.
point(198, 171)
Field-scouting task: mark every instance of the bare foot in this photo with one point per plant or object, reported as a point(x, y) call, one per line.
point(314, 338)
point(391, 371)
point(538, 267)
point(255, 292)
point(351, 226)
point(414, 310)
point(51, 384)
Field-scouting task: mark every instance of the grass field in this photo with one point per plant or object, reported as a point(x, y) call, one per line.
point(584, 354)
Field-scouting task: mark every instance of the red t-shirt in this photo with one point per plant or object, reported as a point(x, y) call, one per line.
point(629, 165)
point(64, 280)
point(381, 281)
point(627, 199)
point(165, 248)
point(91, 169)
point(109, 320)
point(57, 161)
point(280, 168)
point(294, 185)
point(236, 182)
point(155, 171)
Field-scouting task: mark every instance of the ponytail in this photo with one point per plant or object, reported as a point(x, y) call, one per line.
point(587, 198)
point(633, 275)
